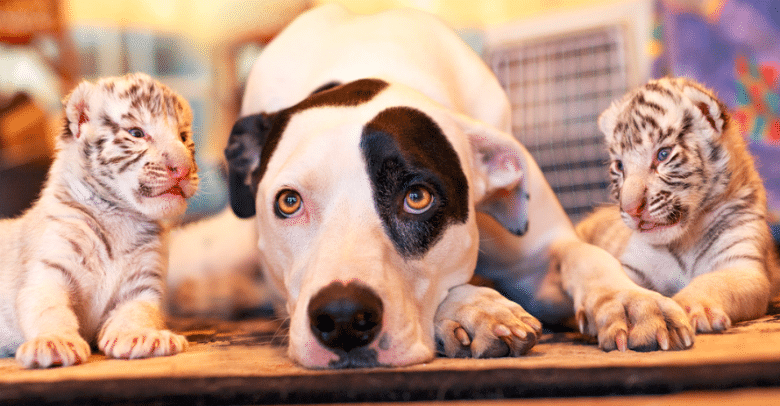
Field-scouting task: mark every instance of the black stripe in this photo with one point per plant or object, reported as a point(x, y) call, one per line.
point(732, 245)
point(132, 161)
point(153, 274)
point(107, 189)
point(648, 121)
point(108, 122)
point(716, 151)
point(651, 105)
point(76, 248)
point(140, 290)
point(663, 135)
point(644, 280)
point(686, 126)
point(92, 223)
point(724, 222)
point(67, 273)
point(758, 259)
point(66, 132)
point(659, 89)
point(674, 184)
point(680, 263)
point(129, 116)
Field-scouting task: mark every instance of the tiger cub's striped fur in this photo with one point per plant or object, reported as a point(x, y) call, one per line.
point(691, 222)
point(86, 264)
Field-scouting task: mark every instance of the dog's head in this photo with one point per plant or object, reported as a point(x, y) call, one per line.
point(365, 197)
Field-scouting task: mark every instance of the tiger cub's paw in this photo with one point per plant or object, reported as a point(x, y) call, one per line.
point(705, 315)
point(53, 349)
point(478, 322)
point(640, 320)
point(142, 343)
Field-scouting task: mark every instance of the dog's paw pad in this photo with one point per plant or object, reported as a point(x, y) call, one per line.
point(478, 322)
point(142, 343)
point(52, 350)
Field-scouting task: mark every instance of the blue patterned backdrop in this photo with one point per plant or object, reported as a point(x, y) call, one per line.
point(732, 46)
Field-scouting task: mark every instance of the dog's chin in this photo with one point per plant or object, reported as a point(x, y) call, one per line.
point(416, 353)
point(311, 354)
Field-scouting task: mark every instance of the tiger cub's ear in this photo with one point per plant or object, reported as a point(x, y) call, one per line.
point(608, 118)
point(711, 110)
point(77, 109)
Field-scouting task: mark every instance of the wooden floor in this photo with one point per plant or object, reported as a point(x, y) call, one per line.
point(245, 363)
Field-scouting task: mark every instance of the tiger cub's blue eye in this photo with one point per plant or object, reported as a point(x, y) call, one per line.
point(136, 132)
point(663, 154)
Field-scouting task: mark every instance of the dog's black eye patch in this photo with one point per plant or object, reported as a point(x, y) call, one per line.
point(405, 149)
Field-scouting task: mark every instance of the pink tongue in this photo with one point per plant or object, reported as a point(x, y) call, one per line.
point(646, 226)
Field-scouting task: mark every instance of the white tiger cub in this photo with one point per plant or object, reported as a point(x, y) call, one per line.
point(86, 264)
point(693, 208)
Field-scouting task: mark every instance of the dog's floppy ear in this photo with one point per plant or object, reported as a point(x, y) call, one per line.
point(499, 187)
point(243, 156)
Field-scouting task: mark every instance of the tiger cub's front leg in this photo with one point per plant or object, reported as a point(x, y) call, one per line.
point(48, 321)
point(715, 300)
point(135, 328)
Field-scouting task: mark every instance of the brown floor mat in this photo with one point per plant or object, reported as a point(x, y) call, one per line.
point(244, 362)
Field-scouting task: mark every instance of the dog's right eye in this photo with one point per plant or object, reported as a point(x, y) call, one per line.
point(288, 203)
point(418, 200)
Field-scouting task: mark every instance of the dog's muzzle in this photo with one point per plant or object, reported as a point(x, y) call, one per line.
point(345, 317)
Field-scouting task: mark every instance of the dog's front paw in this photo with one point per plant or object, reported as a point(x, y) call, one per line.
point(53, 349)
point(640, 320)
point(704, 314)
point(141, 343)
point(479, 322)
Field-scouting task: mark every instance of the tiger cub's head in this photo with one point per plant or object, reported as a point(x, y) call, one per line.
point(668, 161)
point(129, 141)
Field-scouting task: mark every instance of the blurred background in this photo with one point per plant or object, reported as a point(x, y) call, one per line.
point(561, 62)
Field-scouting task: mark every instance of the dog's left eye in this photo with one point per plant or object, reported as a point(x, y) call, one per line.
point(288, 202)
point(418, 200)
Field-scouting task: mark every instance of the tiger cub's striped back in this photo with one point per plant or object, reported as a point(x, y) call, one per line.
point(691, 218)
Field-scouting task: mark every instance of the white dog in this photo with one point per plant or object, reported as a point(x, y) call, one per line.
point(374, 154)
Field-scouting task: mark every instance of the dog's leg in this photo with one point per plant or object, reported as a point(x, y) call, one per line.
point(613, 308)
point(478, 322)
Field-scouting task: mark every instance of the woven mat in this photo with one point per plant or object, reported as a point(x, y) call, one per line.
point(244, 362)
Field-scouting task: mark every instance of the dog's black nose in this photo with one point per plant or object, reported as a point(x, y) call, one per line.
point(344, 317)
